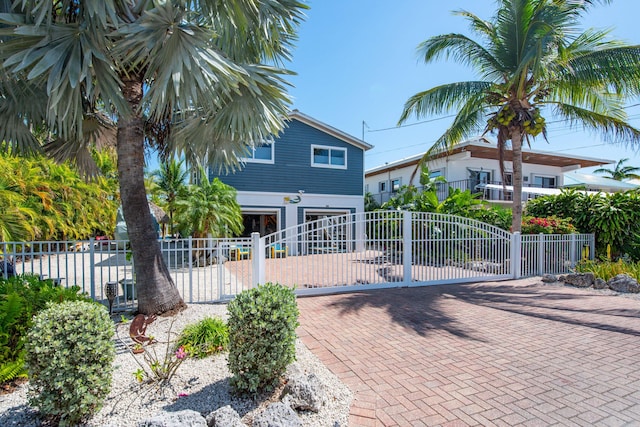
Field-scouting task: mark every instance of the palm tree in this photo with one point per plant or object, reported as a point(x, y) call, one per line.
point(188, 77)
point(531, 59)
point(169, 180)
point(620, 172)
point(209, 209)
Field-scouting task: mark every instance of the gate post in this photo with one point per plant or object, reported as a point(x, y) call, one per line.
point(407, 247)
point(258, 259)
point(92, 269)
point(573, 257)
point(541, 254)
point(516, 254)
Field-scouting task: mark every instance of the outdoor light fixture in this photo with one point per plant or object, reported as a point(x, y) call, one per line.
point(111, 291)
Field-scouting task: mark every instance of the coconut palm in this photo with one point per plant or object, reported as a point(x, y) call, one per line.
point(188, 77)
point(620, 172)
point(531, 60)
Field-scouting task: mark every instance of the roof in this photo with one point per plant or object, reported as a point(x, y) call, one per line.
point(303, 118)
point(485, 149)
point(574, 179)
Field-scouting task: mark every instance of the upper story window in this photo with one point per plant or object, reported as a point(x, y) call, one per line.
point(328, 157)
point(395, 184)
point(261, 153)
point(382, 186)
point(544, 181)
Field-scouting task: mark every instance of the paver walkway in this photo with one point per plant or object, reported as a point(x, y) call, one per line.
point(499, 353)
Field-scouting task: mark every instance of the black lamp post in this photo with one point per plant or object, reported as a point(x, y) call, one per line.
point(111, 291)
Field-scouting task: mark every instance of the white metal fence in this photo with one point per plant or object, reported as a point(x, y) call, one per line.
point(341, 253)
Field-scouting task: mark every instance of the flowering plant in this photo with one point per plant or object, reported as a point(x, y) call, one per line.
point(549, 225)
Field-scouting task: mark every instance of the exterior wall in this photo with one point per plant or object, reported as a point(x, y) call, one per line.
point(292, 214)
point(292, 170)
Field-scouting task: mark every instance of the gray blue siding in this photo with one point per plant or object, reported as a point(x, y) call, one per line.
point(292, 169)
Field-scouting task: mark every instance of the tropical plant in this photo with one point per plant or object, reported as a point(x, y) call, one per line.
point(188, 77)
point(208, 208)
point(370, 202)
point(607, 269)
point(549, 225)
point(170, 180)
point(620, 172)
point(531, 58)
point(209, 336)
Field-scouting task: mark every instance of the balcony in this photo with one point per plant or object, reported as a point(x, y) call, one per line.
point(492, 191)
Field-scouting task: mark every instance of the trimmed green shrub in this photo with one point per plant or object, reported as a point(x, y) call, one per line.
point(209, 336)
point(69, 355)
point(20, 298)
point(262, 333)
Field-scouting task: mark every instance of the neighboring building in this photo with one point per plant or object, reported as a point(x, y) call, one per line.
point(474, 165)
point(310, 171)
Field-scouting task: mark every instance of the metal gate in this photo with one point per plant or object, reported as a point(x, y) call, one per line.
point(385, 249)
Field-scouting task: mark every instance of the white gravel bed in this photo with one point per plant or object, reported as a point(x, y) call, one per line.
point(199, 384)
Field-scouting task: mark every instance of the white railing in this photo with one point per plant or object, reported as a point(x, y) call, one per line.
point(204, 270)
point(364, 251)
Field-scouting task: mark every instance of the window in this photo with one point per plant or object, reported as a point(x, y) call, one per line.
point(395, 184)
point(544, 181)
point(477, 178)
point(435, 173)
point(328, 157)
point(382, 186)
point(261, 153)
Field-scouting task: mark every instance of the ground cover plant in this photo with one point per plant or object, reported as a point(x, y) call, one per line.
point(607, 269)
point(209, 336)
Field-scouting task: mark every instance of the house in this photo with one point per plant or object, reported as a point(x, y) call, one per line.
point(308, 172)
point(474, 165)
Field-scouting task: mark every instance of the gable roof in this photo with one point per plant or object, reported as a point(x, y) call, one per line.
point(485, 149)
point(330, 130)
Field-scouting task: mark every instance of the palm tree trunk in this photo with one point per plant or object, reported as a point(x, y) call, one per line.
point(516, 147)
point(155, 289)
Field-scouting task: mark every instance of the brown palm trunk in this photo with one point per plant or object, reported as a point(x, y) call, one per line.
point(155, 289)
point(516, 146)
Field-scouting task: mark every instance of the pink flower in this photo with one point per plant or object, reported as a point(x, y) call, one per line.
point(180, 353)
point(183, 394)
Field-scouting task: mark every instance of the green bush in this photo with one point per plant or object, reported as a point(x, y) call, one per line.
point(69, 355)
point(21, 297)
point(208, 336)
point(262, 334)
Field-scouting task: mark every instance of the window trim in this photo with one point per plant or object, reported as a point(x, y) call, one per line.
point(263, 161)
point(328, 165)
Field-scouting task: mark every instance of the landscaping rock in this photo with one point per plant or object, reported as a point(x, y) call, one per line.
point(186, 418)
point(277, 415)
point(624, 283)
point(600, 284)
point(580, 280)
point(224, 417)
point(549, 278)
point(304, 392)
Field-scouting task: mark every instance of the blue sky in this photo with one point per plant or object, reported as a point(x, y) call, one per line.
point(356, 61)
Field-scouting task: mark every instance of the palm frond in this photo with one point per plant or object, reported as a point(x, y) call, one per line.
point(468, 122)
point(444, 98)
point(461, 49)
point(612, 129)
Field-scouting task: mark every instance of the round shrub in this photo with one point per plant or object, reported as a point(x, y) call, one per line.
point(69, 355)
point(209, 336)
point(262, 333)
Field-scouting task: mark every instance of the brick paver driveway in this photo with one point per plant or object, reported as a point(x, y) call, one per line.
point(500, 353)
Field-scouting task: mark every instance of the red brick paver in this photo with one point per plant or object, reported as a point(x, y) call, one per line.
point(499, 353)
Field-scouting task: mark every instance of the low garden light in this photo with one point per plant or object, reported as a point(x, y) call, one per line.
point(111, 291)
